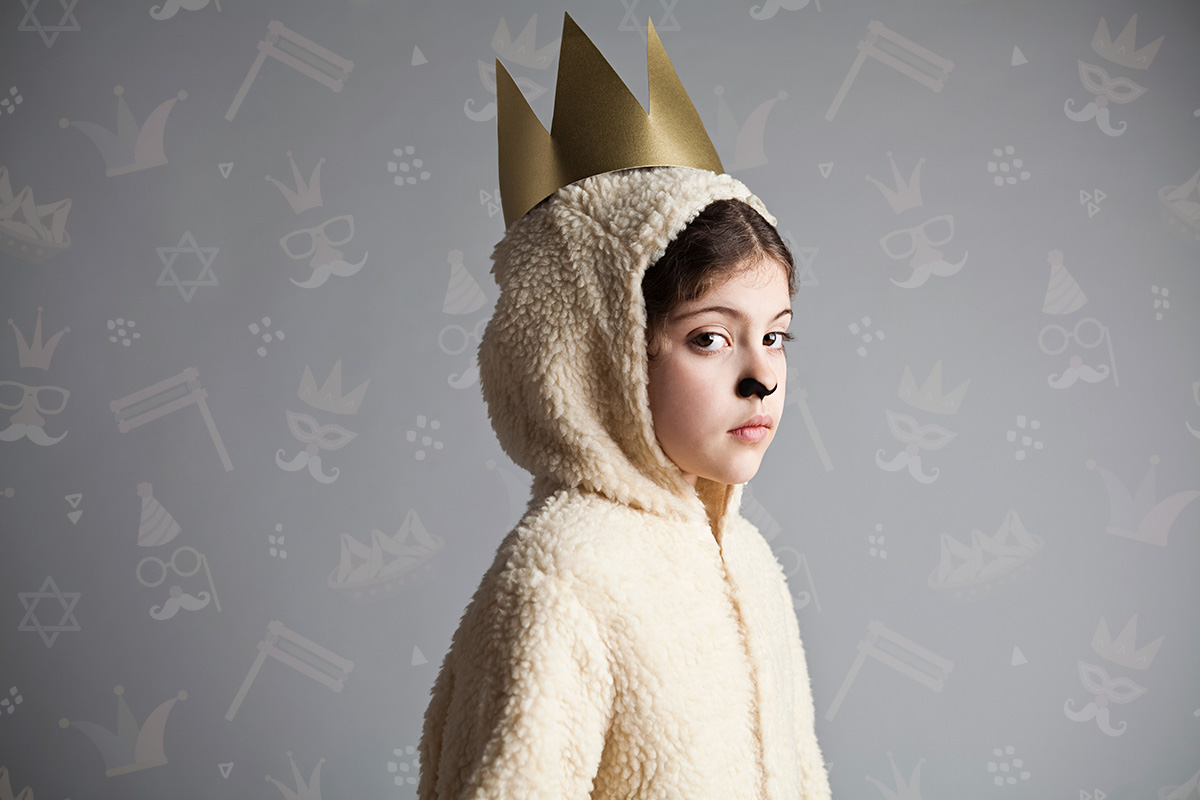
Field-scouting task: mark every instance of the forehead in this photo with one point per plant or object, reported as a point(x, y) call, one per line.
point(760, 275)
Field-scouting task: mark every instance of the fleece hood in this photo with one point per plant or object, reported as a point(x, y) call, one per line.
point(562, 362)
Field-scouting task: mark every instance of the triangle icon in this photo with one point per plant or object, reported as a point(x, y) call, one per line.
point(418, 657)
point(1084, 196)
point(74, 499)
point(225, 768)
point(418, 58)
point(1093, 209)
point(1018, 58)
point(225, 168)
point(1018, 658)
point(74, 516)
point(825, 168)
point(1098, 196)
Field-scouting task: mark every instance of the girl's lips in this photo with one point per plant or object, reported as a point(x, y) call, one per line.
point(751, 433)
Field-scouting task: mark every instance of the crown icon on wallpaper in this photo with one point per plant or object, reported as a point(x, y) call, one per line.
point(905, 790)
point(329, 397)
point(745, 141)
point(521, 50)
point(306, 195)
point(1139, 516)
point(929, 397)
point(905, 195)
point(131, 148)
point(28, 229)
point(6, 788)
point(371, 572)
point(304, 791)
point(1190, 790)
point(989, 562)
point(598, 124)
point(131, 748)
point(1122, 650)
point(1121, 50)
point(1181, 208)
point(36, 354)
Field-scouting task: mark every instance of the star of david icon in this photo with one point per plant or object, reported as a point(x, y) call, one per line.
point(631, 21)
point(805, 256)
point(49, 32)
point(49, 591)
point(187, 244)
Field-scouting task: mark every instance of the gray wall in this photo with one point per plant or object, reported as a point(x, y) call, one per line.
point(965, 560)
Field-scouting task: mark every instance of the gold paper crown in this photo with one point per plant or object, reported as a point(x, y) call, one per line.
point(598, 126)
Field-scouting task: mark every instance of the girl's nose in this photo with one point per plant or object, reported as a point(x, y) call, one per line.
point(749, 386)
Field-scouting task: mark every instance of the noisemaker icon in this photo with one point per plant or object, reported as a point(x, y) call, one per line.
point(301, 54)
point(301, 654)
point(901, 654)
point(901, 54)
point(164, 397)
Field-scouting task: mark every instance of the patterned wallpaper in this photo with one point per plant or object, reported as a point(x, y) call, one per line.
point(247, 482)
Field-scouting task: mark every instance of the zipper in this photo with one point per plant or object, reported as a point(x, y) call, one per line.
point(760, 755)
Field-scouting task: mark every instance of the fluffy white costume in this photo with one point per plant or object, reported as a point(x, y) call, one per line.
point(634, 637)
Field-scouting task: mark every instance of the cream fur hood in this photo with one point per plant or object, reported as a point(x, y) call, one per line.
point(634, 637)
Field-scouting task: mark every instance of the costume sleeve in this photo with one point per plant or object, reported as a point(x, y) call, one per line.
point(815, 780)
point(522, 704)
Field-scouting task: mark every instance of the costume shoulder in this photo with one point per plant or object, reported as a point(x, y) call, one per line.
point(521, 704)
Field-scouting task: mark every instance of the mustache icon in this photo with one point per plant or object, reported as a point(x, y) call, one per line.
point(179, 599)
point(322, 272)
point(922, 272)
point(171, 7)
point(771, 7)
point(33, 433)
point(1078, 371)
point(1095, 711)
point(1093, 110)
point(907, 458)
point(309, 457)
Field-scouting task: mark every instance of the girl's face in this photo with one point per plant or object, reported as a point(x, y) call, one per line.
point(711, 345)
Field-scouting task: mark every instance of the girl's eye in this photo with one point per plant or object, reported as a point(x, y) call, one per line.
point(779, 338)
point(707, 340)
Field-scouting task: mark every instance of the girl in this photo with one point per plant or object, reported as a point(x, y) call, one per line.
point(634, 637)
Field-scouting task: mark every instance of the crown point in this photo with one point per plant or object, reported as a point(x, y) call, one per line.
point(182, 94)
point(1091, 463)
point(145, 489)
point(118, 690)
point(182, 694)
point(782, 94)
point(63, 122)
point(719, 90)
point(1154, 460)
point(63, 722)
point(118, 90)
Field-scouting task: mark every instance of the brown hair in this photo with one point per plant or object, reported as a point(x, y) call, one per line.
point(718, 240)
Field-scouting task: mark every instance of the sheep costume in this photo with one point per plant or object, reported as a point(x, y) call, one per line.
point(634, 636)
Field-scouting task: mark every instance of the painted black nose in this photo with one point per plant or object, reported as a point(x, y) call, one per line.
point(749, 386)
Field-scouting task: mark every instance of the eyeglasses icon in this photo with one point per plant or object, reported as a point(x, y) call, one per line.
point(293, 243)
point(200, 561)
point(46, 399)
point(461, 337)
point(903, 243)
point(1087, 333)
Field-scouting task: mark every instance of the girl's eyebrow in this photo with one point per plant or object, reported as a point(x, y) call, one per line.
point(733, 312)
